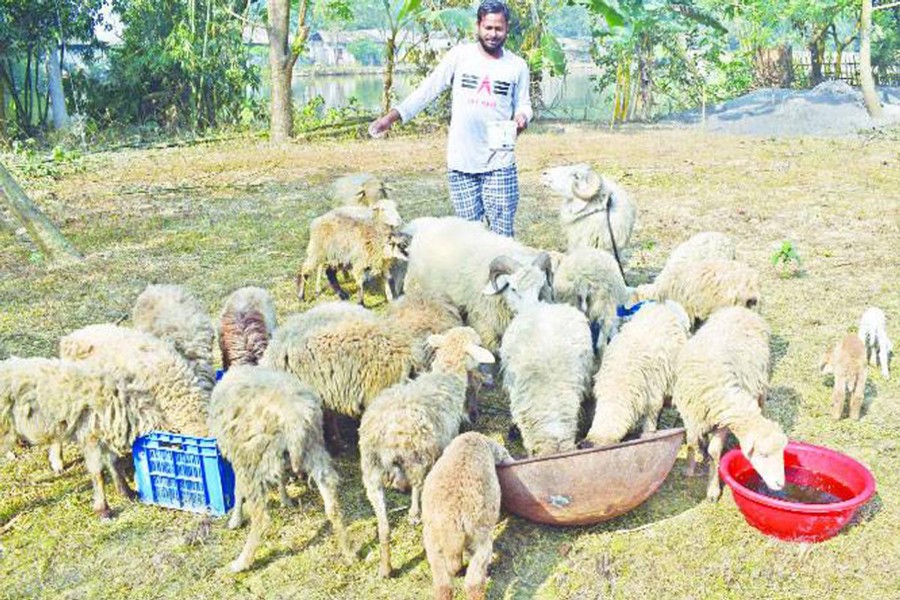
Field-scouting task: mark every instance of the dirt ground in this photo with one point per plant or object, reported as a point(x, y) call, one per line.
point(215, 217)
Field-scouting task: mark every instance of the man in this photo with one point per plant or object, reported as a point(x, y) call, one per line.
point(490, 86)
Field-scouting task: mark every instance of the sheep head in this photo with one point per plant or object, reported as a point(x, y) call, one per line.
point(386, 212)
point(371, 191)
point(521, 285)
point(396, 247)
point(763, 445)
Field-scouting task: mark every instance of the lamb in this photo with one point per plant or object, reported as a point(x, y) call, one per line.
point(460, 507)
point(245, 326)
point(706, 245)
point(721, 381)
point(407, 426)
point(546, 358)
point(154, 363)
point(873, 333)
point(847, 362)
point(365, 245)
point(449, 258)
point(597, 213)
point(590, 280)
point(362, 189)
point(267, 424)
point(704, 286)
point(172, 313)
point(637, 373)
point(51, 401)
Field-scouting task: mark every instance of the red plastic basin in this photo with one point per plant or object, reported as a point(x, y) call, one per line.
point(805, 464)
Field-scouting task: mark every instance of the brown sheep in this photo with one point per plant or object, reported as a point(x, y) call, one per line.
point(847, 362)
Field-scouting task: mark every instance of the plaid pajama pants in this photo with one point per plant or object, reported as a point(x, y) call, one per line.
point(494, 194)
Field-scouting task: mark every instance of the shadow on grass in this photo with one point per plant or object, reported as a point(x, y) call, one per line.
point(783, 405)
point(529, 553)
point(778, 347)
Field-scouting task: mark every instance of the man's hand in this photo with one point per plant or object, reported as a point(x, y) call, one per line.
point(379, 127)
point(521, 122)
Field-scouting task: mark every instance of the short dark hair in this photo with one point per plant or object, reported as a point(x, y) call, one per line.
point(492, 7)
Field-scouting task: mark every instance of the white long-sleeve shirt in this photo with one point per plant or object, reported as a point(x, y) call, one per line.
point(484, 89)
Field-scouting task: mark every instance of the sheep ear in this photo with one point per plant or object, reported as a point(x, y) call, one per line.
point(491, 290)
point(360, 195)
point(480, 354)
point(747, 445)
point(436, 340)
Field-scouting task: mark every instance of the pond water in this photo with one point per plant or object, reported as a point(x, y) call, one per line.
point(572, 97)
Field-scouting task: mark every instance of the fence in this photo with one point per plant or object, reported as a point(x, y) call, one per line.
point(845, 70)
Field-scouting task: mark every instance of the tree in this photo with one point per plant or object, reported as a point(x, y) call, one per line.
point(52, 244)
point(866, 81)
point(283, 54)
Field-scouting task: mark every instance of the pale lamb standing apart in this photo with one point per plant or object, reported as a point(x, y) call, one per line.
point(721, 383)
point(407, 426)
point(873, 333)
point(847, 362)
point(460, 507)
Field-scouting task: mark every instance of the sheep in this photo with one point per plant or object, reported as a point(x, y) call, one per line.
point(706, 245)
point(422, 316)
point(721, 381)
point(873, 333)
point(153, 362)
point(170, 312)
point(637, 373)
point(450, 258)
point(365, 245)
point(546, 359)
point(407, 426)
point(246, 324)
point(597, 213)
point(51, 401)
point(847, 362)
point(362, 189)
point(267, 423)
point(460, 507)
point(704, 286)
point(590, 280)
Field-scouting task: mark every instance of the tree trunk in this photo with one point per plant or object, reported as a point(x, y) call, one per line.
point(773, 67)
point(57, 97)
point(815, 64)
point(282, 123)
point(390, 55)
point(866, 81)
point(42, 232)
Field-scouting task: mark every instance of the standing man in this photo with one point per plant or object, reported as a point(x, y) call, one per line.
point(490, 86)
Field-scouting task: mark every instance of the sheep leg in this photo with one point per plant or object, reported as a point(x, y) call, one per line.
point(319, 272)
point(331, 275)
point(333, 431)
point(93, 461)
point(476, 573)
point(327, 483)
point(414, 510)
point(120, 479)
point(286, 500)
point(55, 455)
point(375, 494)
point(301, 286)
point(883, 358)
point(440, 576)
point(837, 397)
point(857, 395)
point(237, 511)
point(690, 467)
point(716, 444)
point(259, 523)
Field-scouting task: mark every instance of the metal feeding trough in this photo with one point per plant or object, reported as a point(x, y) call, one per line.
point(588, 486)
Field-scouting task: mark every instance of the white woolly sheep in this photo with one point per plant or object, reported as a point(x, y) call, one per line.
point(44, 401)
point(172, 313)
point(704, 286)
point(407, 426)
point(590, 280)
point(847, 362)
point(873, 333)
point(342, 239)
point(460, 507)
point(267, 425)
point(450, 258)
point(154, 363)
point(546, 359)
point(637, 373)
point(706, 245)
point(359, 188)
point(246, 324)
point(721, 382)
point(594, 208)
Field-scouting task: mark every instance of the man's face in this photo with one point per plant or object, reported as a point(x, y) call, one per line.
point(492, 32)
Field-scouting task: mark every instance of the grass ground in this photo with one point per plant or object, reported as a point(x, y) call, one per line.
point(217, 217)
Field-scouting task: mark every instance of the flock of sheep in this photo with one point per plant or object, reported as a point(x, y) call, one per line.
point(460, 298)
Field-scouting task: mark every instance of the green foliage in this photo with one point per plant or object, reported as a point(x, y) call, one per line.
point(313, 115)
point(786, 259)
point(365, 51)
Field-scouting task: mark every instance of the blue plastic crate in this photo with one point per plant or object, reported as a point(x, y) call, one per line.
point(183, 472)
